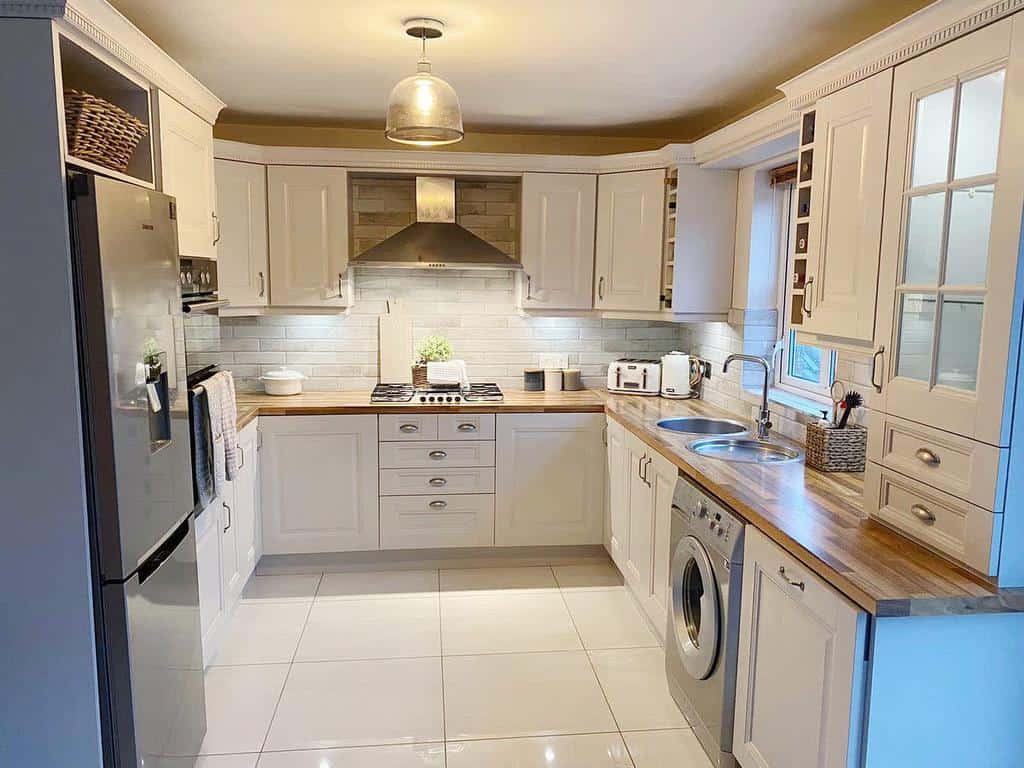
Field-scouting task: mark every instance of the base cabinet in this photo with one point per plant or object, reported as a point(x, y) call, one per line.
point(319, 483)
point(800, 674)
point(548, 471)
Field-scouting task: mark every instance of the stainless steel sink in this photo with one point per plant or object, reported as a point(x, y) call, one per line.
point(702, 425)
point(744, 450)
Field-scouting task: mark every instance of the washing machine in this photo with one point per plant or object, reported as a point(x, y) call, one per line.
point(704, 615)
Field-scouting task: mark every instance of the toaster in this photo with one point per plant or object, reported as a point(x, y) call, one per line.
point(634, 376)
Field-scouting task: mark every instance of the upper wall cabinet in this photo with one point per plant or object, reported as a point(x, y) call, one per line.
point(954, 195)
point(186, 172)
point(846, 196)
point(243, 265)
point(308, 221)
point(630, 236)
point(558, 240)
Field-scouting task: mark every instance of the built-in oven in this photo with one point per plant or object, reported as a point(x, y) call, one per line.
point(198, 278)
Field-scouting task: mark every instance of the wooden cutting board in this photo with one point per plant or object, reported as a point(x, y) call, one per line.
point(395, 356)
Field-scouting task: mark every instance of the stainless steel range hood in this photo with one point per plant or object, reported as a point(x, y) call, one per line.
point(435, 241)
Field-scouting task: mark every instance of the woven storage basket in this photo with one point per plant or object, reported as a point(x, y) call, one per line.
point(831, 449)
point(419, 376)
point(100, 132)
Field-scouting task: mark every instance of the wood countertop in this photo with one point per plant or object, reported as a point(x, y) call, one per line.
point(816, 517)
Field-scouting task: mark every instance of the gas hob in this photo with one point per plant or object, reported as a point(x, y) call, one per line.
point(435, 395)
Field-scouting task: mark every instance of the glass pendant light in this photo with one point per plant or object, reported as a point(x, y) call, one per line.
point(423, 109)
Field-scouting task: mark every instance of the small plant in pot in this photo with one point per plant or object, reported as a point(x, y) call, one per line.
point(433, 349)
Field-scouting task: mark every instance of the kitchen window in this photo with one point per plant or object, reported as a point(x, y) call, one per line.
point(801, 369)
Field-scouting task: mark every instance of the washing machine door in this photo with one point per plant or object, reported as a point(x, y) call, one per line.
point(695, 608)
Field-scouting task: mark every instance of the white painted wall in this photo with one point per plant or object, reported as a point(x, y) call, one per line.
point(49, 707)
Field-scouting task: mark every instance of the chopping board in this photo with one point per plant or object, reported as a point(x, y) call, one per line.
point(395, 355)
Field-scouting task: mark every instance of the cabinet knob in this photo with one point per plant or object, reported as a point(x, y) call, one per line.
point(438, 504)
point(409, 428)
point(467, 427)
point(438, 482)
point(437, 455)
point(928, 456)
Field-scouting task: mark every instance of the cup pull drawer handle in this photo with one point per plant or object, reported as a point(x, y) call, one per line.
point(437, 455)
point(923, 514)
point(437, 482)
point(409, 428)
point(438, 504)
point(927, 456)
point(792, 582)
point(467, 427)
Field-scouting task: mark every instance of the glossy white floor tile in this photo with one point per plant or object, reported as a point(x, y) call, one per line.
point(637, 690)
point(394, 756)
point(359, 703)
point(372, 629)
point(496, 622)
point(262, 633)
point(481, 579)
point(678, 748)
point(523, 694)
point(206, 761)
point(609, 618)
point(240, 703)
point(281, 589)
point(587, 576)
point(594, 750)
point(377, 584)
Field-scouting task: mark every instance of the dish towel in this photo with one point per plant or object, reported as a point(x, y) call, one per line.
point(203, 486)
point(448, 374)
point(223, 418)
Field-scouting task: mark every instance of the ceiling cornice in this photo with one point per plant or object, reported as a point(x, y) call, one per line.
point(101, 24)
point(920, 32)
point(768, 132)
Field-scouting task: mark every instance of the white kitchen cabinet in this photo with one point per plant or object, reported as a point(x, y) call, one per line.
point(662, 474)
point(319, 483)
point(231, 581)
point(212, 607)
point(431, 522)
point(557, 237)
point(618, 493)
point(951, 235)
point(243, 262)
point(549, 479)
point(245, 487)
point(848, 181)
point(186, 172)
point(308, 222)
point(628, 248)
point(639, 553)
point(801, 670)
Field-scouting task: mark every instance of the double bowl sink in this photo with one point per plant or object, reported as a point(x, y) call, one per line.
point(728, 443)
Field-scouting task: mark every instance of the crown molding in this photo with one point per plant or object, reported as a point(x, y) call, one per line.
point(101, 24)
point(766, 133)
point(453, 162)
point(932, 26)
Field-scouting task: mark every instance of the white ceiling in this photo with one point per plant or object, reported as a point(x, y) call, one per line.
point(521, 64)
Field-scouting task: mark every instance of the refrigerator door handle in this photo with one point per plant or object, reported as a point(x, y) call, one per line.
point(152, 563)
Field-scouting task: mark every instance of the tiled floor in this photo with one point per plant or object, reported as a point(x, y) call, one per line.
point(497, 667)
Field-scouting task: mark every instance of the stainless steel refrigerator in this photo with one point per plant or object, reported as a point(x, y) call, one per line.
point(138, 470)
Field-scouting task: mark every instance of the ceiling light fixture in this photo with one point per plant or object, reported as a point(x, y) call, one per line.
point(423, 109)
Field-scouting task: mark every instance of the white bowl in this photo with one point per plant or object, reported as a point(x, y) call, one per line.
point(282, 382)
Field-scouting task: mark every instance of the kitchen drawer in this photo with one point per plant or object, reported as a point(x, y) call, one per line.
point(468, 453)
point(407, 426)
point(403, 482)
point(965, 468)
point(426, 522)
point(962, 531)
point(465, 426)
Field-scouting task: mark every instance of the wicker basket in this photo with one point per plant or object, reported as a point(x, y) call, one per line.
point(100, 132)
point(419, 376)
point(831, 449)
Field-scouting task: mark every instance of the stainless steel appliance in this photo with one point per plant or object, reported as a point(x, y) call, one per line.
point(704, 616)
point(635, 376)
point(138, 471)
point(436, 395)
point(198, 279)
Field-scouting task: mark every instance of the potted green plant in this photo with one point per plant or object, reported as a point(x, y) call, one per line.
point(433, 349)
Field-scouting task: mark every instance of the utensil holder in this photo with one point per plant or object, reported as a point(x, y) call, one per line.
point(830, 449)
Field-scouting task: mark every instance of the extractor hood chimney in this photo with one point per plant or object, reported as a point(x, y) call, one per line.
point(435, 241)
